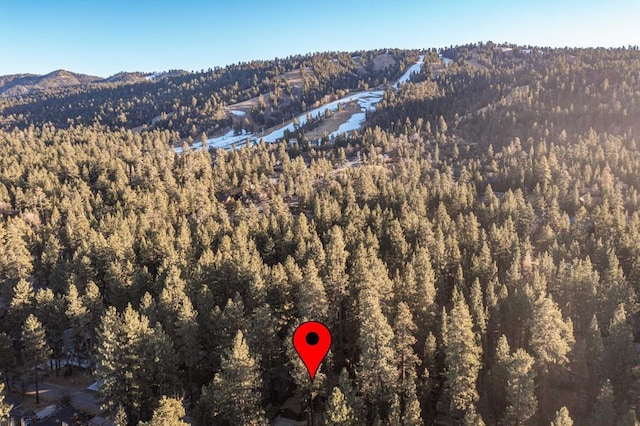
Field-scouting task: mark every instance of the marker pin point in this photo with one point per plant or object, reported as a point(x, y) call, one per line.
point(312, 341)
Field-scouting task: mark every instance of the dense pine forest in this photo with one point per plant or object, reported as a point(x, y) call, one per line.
point(474, 250)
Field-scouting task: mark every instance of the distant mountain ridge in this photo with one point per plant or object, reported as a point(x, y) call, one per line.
point(17, 85)
point(27, 84)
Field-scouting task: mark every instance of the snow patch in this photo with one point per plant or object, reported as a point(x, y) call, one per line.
point(413, 69)
point(366, 100)
point(447, 61)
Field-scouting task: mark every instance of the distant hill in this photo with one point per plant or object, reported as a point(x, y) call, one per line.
point(27, 84)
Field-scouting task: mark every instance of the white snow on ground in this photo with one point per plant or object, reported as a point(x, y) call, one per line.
point(221, 142)
point(367, 101)
point(238, 113)
point(320, 111)
point(413, 69)
point(356, 120)
point(152, 76)
point(446, 60)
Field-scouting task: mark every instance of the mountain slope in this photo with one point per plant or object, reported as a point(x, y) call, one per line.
point(28, 84)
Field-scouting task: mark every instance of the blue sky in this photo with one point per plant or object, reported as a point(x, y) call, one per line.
point(102, 38)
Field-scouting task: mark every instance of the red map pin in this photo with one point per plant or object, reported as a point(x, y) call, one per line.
point(312, 341)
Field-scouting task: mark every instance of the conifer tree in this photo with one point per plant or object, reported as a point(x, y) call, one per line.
point(338, 413)
point(404, 341)
point(233, 397)
point(7, 358)
point(377, 373)
point(604, 412)
point(520, 388)
point(22, 304)
point(562, 418)
point(77, 315)
point(120, 417)
point(34, 344)
point(312, 301)
point(187, 337)
point(462, 357)
point(336, 281)
point(135, 362)
point(551, 341)
point(593, 357)
point(169, 413)
point(5, 409)
point(629, 419)
point(619, 354)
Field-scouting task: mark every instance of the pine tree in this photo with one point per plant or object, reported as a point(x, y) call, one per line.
point(135, 362)
point(462, 357)
point(472, 418)
point(593, 357)
point(629, 419)
point(477, 308)
point(422, 302)
point(187, 338)
point(7, 358)
point(562, 418)
point(351, 400)
point(77, 315)
point(234, 394)
point(169, 413)
point(604, 413)
point(520, 388)
point(377, 372)
point(120, 417)
point(312, 301)
point(338, 412)
point(404, 341)
point(336, 281)
point(551, 341)
point(619, 355)
point(498, 376)
point(34, 344)
point(5, 409)
point(22, 304)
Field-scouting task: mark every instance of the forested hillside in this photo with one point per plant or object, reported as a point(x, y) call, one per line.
point(475, 250)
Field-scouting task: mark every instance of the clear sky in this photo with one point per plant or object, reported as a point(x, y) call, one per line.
point(105, 37)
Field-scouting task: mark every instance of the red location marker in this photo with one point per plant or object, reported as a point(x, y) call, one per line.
point(312, 341)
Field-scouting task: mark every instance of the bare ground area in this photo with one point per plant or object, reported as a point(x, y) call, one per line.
point(381, 62)
point(331, 124)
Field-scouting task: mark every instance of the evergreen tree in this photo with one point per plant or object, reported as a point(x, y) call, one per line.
point(7, 358)
point(551, 341)
point(233, 397)
point(5, 409)
point(312, 301)
point(377, 373)
point(337, 411)
point(520, 388)
point(604, 412)
point(135, 362)
point(619, 355)
point(629, 419)
point(404, 341)
point(462, 357)
point(22, 304)
point(120, 417)
point(169, 413)
point(562, 418)
point(593, 357)
point(336, 281)
point(34, 346)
